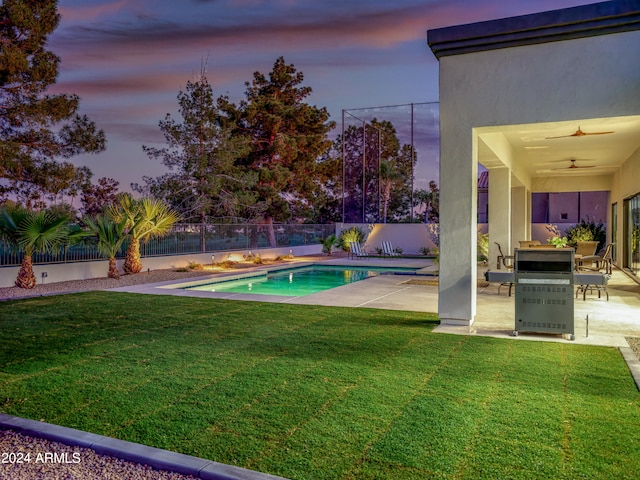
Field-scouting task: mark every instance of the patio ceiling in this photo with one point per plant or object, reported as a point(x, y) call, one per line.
point(534, 151)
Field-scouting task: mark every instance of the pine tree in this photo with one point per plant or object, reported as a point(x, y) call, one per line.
point(35, 127)
point(202, 154)
point(288, 136)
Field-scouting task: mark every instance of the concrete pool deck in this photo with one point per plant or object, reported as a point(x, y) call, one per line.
point(609, 321)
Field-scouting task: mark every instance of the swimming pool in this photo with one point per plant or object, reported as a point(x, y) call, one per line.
point(298, 282)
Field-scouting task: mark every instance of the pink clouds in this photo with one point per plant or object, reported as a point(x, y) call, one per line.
point(84, 13)
point(128, 59)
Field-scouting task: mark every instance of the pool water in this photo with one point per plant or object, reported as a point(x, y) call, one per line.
point(297, 282)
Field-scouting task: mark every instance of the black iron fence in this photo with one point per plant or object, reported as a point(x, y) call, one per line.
point(189, 238)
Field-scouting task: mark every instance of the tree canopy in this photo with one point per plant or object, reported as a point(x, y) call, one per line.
point(36, 127)
point(204, 179)
point(265, 158)
point(378, 172)
point(288, 137)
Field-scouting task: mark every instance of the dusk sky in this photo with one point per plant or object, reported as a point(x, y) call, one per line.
point(128, 59)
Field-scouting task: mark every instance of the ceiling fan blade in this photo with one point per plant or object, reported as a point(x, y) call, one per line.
point(569, 160)
point(560, 136)
point(579, 133)
point(574, 166)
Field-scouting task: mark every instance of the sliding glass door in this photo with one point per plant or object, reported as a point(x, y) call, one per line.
point(632, 234)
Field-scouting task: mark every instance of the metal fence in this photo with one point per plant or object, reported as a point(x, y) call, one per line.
point(189, 238)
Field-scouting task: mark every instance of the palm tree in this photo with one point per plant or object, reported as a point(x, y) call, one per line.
point(144, 219)
point(33, 232)
point(111, 235)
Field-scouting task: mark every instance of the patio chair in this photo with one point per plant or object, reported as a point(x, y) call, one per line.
point(584, 249)
point(507, 262)
point(356, 251)
point(387, 250)
point(598, 263)
point(594, 273)
point(504, 260)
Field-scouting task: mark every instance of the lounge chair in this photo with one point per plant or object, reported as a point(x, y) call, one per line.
point(356, 251)
point(387, 250)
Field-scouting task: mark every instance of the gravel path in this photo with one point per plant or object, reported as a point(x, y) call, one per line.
point(29, 458)
point(103, 283)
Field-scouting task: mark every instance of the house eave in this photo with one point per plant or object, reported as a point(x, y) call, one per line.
point(602, 18)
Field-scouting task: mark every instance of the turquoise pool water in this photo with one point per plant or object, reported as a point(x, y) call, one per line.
point(297, 282)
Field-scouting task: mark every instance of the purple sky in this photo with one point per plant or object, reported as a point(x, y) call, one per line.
point(128, 59)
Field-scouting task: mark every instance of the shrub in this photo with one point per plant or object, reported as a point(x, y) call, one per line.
point(426, 251)
point(483, 247)
point(353, 234)
point(227, 264)
point(328, 243)
point(587, 231)
point(195, 266)
point(558, 242)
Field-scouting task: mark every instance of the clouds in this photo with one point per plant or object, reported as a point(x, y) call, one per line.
point(127, 59)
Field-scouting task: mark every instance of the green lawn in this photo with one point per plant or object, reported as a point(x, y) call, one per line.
point(316, 392)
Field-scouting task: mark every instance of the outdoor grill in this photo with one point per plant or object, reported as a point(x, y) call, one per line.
point(544, 290)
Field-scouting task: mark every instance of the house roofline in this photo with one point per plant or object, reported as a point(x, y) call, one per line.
point(566, 24)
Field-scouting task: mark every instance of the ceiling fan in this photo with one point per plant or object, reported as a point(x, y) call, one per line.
point(573, 165)
point(579, 133)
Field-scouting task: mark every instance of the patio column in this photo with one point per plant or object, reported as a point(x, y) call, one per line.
point(458, 223)
point(521, 215)
point(499, 212)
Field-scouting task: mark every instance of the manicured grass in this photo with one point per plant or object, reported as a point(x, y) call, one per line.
point(317, 392)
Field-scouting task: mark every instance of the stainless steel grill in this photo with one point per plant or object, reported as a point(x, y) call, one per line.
point(544, 291)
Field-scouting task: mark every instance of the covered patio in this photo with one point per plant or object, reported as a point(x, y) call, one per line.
point(548, 102)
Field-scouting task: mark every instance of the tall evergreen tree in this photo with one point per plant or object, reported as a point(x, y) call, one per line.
point(36, 127)
point(204, 179)
point(288, 136)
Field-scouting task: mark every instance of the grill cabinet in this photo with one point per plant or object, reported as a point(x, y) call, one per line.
point(544, 290)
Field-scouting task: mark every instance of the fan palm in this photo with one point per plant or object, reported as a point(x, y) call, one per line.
point(144, 218)
point(110, 235)
point(33, 232)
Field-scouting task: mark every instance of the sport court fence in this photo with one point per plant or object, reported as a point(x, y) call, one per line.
point(371, 194)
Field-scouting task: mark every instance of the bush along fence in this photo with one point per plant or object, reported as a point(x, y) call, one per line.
point(189, 238)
